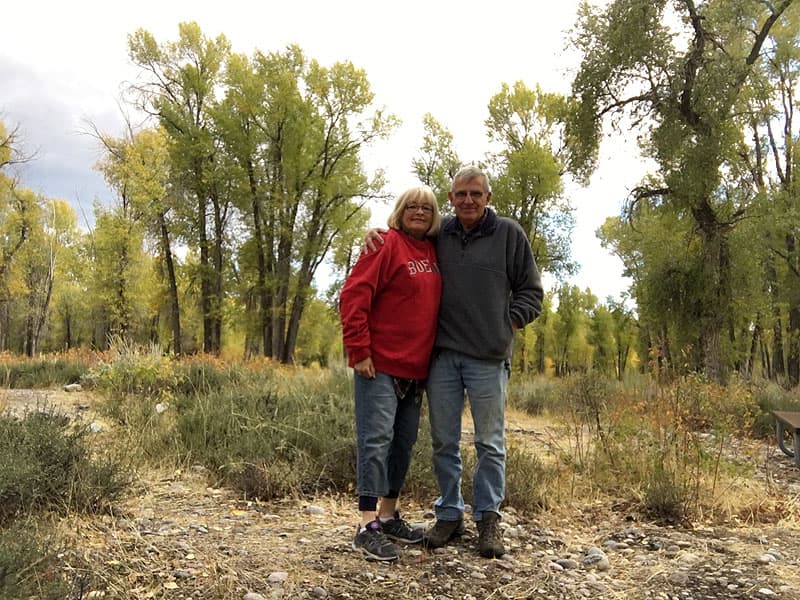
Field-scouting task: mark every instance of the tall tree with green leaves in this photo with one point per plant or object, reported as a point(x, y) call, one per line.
point(570, 326)
point(40, 257)
point(601, 337)
point(662, 255)
point(528, 126)
point(121, 277)
point(676, 70)
point(295, 130)
point(437, 162)
point(17, 209)
point(138, 167)
point(178, 86)
point(772, 164)
point(70, 324)
point(19, 218)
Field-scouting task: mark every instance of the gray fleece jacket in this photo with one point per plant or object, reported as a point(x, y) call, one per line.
point(489, 278)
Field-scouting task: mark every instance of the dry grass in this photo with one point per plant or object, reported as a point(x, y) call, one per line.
point(178, 537)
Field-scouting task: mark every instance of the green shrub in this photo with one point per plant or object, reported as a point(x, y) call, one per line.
point(669, 496)
point(200, 375)
point(42, 372)
point(534, 395)
point(297, 434)
point(29, 566)
point(47, 465)
point(769, 396)
point(528, 480)
point(134, 372)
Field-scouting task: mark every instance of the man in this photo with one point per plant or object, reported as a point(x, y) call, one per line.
point(490, 288)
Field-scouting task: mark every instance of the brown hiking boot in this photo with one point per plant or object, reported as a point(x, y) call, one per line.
point(442, 532)
point(490, 540)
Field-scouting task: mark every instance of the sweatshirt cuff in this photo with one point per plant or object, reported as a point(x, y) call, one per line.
point(358, 354)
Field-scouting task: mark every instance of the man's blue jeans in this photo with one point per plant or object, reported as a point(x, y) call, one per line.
point(386, 430)
point(485, 382)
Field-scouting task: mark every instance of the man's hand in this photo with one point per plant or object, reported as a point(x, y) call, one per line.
point(365, 368)
point(372, 239)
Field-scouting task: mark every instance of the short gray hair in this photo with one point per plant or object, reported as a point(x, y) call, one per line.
point(470, 172)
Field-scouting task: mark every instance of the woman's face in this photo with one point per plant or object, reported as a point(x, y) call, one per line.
point(417, 218)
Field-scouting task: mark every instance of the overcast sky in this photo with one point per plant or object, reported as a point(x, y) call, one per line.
point(63, 64)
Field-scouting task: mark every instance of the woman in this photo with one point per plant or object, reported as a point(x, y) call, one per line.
point(389, 305)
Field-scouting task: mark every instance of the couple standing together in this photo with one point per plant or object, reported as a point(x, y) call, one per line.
point(435, 307)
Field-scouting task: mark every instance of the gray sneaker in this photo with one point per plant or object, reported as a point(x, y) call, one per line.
point(373, 543)
point(490, 540)
point(442, 532)
point(399, 530)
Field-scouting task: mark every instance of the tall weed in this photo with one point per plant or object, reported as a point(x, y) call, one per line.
point(660, 444)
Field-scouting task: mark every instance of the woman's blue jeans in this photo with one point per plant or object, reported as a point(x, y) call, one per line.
point(386, 430)
point(454, 377)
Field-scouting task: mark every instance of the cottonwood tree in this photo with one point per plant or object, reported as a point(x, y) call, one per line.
point(772, 163)
point(571, 351)
point(121, 278)
point(138, 167)
point(437, 161)
point(70, 324)
point(20, 213)
point(17, 209)
point(676, 70)
point(528, 127)
point(294, 130)
point(50, 240)
point(178, 86)
point(624, 331)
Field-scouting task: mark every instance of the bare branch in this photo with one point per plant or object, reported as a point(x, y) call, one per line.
point(11, 143)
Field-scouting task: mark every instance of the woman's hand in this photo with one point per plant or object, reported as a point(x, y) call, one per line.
point(365, 368)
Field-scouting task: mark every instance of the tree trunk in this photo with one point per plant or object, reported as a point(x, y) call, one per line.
point(261, 262)
point(205, 280)
point(281, 297)
point(776, 367)
point(540, 354)
point(169, 262)
point(68, 329)
point(4, 325)
point(793, 359)
point(218, 280)
point(716, 277)
point(751, 358)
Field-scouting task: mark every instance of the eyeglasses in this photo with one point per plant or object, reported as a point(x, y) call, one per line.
point(461, 195)
point(426, 208)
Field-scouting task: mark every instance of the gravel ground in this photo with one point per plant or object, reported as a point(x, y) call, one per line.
point(178, 538)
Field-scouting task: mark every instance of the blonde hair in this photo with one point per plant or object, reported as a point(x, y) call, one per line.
point(420, 194)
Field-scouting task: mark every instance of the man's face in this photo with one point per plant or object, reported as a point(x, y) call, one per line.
point(469, 199)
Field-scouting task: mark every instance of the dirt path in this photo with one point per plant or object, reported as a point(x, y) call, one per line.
point(178, 538)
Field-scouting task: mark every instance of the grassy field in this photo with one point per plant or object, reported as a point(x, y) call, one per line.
point(673, 452)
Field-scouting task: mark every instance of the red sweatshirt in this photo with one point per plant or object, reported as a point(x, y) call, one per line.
point(389, 306)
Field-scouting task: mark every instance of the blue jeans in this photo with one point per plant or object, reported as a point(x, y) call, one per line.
point(386, 430)
point(452, 375)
